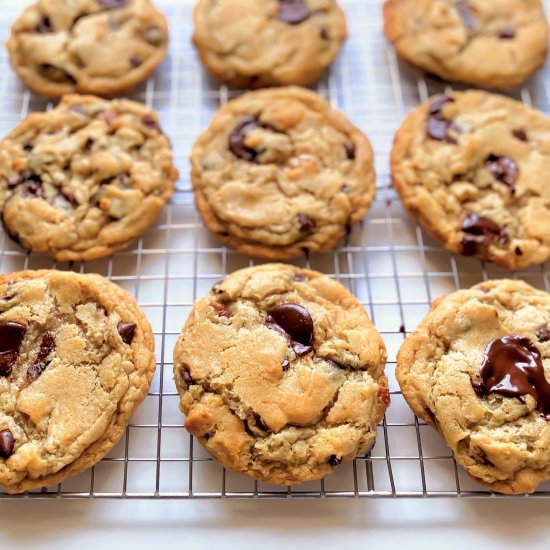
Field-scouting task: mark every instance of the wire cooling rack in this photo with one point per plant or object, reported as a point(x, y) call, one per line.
point(388, 262)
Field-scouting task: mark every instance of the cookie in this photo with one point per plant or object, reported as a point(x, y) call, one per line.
point(268, 42)
point(279, 173)
point(85, 179)
point(472, 168)
point(101, 47)
point(477, 370)
point(76, 358)
point(281, 374)
point(492, 43)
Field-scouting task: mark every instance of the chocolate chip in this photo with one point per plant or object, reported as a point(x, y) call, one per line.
point(151, 122)
point(28, 147)
point(237, 138)
point(293, 11)
point(519, 251)
point(47, 345)
point(306, 223)
point(295, 320)
point(300, 349)
point(333, 364)
point(6, 443)
point(324, 34)
point(186, 375)
point(543, 334)
point(466, 14)
point(11, 338)
point(438, 126)
point(220, 308)
point(350, 150)
point(154, 36)
point(504, 169)
point(261, 423)
point(88, 144)
point(135, 61)
point(402, 329)
point(520, 134)
point(113, 4)
point(479, 233)
point(56, 74)
point(285, 364)
point(333, 461)
point(507, 33)
point(126, 331)
point(45, 25)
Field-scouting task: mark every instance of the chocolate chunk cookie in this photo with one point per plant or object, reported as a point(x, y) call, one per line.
point(493, 43)
point(281, 374)
point(268, 42)
point(76, 358)
point(85, 179)
point(477, 369)
point(102, 47)
point(472, 168)
point(279, 173)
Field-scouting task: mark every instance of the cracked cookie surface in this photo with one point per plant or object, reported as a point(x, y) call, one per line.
point(279, 173)
point(493, 43)
point(501, 440)
point(281, 374)
point(76, 358)
point(259, 43)
point(472, 169)
point(85, 179)
point(102, 47)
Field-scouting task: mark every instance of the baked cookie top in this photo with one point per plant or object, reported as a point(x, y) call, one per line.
point(279, 173)
point(76, 357)
point(472, 168)
point(85, 179)
point(102, 47)
point(477, 369)
point(281, 374)
point(494, 43)
point(268, 42)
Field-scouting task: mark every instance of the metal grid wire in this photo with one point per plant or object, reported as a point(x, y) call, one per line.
point(388, 262)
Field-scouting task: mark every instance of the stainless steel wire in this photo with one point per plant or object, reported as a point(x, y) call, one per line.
point(388, 262)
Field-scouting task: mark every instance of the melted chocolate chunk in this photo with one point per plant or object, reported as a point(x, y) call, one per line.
point(520, 134)
point(466, 14)
point(438, 126)
point(333, 461)
point(285, 364)
point(237, 138)
point(186, 375)
point(307, 225)
point(350, 150)
point(479, 233)
point(45, 25)
point(6, 443)
point(135, 61)
point(11, 338)
point(113, 4)
point(220, 308)
point(295, 321)
point(299, 277)
point(512, 367)
point(47, 345)
point(543, 334)
point(293, 11)
point(507, 33)
point(504, 169)
point(260, 422)
point(300, 349)
point(127, 332)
